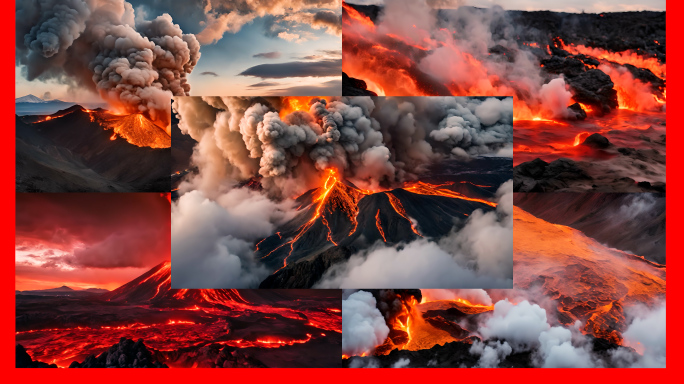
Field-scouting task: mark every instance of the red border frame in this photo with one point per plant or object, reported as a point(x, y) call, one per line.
point(674, 289)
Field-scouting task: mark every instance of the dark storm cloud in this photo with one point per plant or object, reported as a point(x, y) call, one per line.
point(95, 230)
point(328, 20)
point(268, 55)
point(295, 69)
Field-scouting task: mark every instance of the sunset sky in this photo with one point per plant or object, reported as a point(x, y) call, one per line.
point(248, 47)
point(89, 240)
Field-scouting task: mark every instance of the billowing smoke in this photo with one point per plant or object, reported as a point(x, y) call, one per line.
point(478, 255)
point(363, 326)
point(212, 240)
point(408, 47)
point(135, 65)
point(374, 142)
point(646, 334)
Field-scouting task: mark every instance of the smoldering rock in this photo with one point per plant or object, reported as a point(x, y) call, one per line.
point(124, 354)
point(24, 360)
point(595, 88)
point(577, 111)
point(355, 87)
point(596, 141)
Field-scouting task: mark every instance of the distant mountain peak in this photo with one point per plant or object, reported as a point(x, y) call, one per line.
point(29, 99)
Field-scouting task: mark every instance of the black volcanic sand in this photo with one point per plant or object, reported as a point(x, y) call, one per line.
point(630, 222)
point(313, 254)
point(72, 154)
point(54, 322)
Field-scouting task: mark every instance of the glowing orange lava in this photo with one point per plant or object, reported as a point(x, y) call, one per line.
point(423, 188)
point(379, 225)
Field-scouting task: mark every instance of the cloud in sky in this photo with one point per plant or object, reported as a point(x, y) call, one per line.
point(65, 234)
point(320, 68)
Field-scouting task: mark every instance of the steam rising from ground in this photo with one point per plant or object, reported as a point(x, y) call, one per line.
point(213, 239)
point(478, 255)
point(523, 326)
point(363, 326)
point(373, 141)
point(136, 65)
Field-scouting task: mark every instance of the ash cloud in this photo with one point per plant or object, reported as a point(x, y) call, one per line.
point(135, 65)
point(373, 141)
point(363, 326)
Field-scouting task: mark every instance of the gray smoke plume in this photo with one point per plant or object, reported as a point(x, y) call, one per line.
point(135, 65)
point(375, 142)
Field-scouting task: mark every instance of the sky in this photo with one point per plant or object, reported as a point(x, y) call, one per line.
point(575, 6)
point(248, 48)
point(89, 240)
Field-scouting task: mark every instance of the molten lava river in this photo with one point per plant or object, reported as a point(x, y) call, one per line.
point(181, 327)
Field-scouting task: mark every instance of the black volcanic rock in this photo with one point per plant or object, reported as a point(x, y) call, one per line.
point(23, 360)
point(597, 141)
point(594, 87)
point(577, 110)
point(125, 354)
point(534, 169)
point(305, 273)
point(355, 87)
point(567, 66)
point(564, 168)
point(540, 176)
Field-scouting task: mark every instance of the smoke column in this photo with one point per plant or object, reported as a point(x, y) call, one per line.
point(135, 65)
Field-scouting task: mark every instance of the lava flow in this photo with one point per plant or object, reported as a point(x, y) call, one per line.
point(177, 325)
point(422, 325)
point(136, 128)
point(589, 281)
point(335, 208)
point(399, 60)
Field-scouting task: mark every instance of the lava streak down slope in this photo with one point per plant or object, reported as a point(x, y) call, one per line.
point(185, 328)
point(339, 218)
point(81, 150)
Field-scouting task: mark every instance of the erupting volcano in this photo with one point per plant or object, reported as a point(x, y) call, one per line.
point(571, 76)
point(185, 328)
point(338, 217)
point(307, 187)
point(84, 150)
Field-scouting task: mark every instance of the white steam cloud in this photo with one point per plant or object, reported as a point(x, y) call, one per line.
point(363, 326)
point(479, 255)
